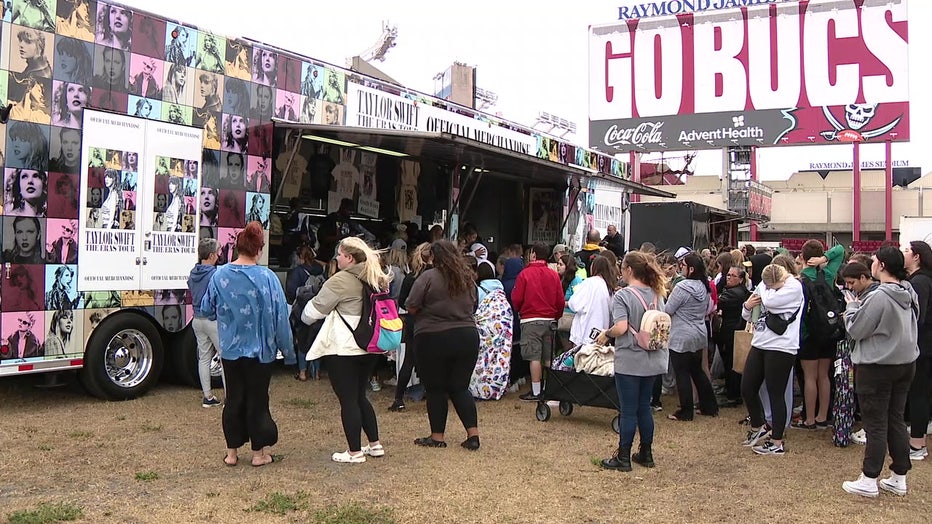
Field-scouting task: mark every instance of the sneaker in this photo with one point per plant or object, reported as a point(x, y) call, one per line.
point(514, 388)
point(530, 397)
point(798, 409)
point(374, 384)
point(918, 454)
point(392, 382)
point(863, 486)
point(347, 458)
point(374, 451)
point(895, 484)
point(769, 448)
point(397, 406)
point(859, 437)
point(755, 435)
point(210, 402)
point(657, 407)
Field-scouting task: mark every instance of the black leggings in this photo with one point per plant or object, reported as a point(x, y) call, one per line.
point(919, 398)
point(407, 368)
point(445, 362)
point(726, 348)
point(772, 367)
point(688, 370)
point(349, 377)
point(246, 416)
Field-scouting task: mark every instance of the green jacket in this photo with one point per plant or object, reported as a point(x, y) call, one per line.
point(835, 256)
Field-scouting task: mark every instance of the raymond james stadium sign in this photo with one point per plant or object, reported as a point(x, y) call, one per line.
point(676, 7)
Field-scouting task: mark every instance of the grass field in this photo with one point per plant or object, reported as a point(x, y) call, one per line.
point(69, 457)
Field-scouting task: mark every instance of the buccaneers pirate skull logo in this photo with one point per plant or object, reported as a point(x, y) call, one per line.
point(857, 118)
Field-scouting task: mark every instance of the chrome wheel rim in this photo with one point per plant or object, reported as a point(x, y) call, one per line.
point(128, 358)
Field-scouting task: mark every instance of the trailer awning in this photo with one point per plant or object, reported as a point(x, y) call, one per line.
point(450, 149)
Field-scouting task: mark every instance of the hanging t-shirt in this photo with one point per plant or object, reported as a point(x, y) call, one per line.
point(345, 174)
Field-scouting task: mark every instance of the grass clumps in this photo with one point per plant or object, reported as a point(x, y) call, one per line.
point(46, 513)
point(354, 513)
point(279, 503)
point(147, 476)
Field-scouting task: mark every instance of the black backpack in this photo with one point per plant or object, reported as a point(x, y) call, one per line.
point(825, 307)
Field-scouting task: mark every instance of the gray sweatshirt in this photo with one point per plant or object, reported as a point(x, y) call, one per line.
point(687, 307)
point(884, 325)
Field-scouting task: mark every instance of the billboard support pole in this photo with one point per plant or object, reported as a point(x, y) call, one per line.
point(635, 162)
point(856, 171)
point(754, 179)
point(888, 193)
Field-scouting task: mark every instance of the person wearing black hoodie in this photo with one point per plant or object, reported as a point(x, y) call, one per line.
point(919, 266)
point(205, 326)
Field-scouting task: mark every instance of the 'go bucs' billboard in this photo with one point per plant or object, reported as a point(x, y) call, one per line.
point(816, 72)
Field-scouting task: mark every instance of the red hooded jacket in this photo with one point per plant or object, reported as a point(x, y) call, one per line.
point(538, 292)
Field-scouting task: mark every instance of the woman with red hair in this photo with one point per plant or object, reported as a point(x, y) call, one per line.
point(252, 320)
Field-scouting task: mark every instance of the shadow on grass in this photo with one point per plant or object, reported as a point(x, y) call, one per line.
point(47, 514)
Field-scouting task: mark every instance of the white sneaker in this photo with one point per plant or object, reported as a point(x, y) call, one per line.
point(859, 437)
point(755, 435)
point(863, 486)
point(348, 458)
point(391, 382)
point(769, 448)
point(895, 484)
point(374, 384)
point(918, 454)
point(374, 451)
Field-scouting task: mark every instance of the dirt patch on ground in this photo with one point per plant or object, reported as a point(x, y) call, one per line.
point(159, 459)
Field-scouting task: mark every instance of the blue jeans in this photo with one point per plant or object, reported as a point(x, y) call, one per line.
point(634, 395)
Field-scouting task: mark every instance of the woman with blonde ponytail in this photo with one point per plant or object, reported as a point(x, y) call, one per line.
point(348, 365)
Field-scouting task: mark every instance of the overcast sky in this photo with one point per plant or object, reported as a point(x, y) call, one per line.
point(533, 54)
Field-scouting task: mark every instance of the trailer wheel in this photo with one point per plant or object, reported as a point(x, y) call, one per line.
point(566, 408)
point(185, 360)
point(542, 412)
point(616, 424)
point(123, 358)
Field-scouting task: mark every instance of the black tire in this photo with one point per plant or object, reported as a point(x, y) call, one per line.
point(184, 360)
point(542, 412)
point(566, 408)
point(124, 357)
point(616, 424)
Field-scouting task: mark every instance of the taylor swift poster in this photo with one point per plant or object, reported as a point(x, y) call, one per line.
point(23, 335)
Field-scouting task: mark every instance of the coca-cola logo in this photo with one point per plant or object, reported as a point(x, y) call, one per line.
point(641, 134)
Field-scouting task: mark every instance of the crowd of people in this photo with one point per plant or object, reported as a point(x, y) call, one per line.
point(744, 328)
